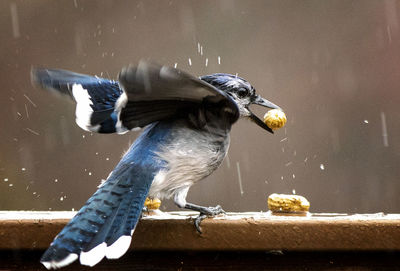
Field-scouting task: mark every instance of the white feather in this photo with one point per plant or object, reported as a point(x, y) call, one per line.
point(83, 111)
point(119, 247)
point(119, 105)
point(157, 183)
point(66, 261)
point(190, 157)
point(93, 256)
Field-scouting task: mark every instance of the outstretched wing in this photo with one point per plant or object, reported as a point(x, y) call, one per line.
point(153, 92)
point(95, 97)
point(144, 94)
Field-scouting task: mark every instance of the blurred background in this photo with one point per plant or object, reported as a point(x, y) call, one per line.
point(332, 65)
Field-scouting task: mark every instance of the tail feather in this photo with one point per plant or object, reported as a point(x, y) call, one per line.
point(103, 227)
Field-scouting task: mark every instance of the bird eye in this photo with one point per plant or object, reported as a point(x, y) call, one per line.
point(242, 92)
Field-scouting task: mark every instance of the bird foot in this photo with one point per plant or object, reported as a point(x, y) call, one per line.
point(207, 212)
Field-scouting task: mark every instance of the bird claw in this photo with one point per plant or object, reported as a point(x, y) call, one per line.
point(217, 210)
point(197, 222)
point(207, 212)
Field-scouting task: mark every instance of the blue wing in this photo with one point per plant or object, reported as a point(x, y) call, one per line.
point(153, 92)
point(144, 94)
point(95, 97)
point(104, 225)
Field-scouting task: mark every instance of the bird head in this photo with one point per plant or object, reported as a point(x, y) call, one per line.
point(242, 93)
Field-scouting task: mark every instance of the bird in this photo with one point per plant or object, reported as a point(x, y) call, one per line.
point(185, 122)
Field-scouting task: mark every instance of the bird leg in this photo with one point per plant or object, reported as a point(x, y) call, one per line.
point(204, 212)
point(180, 201)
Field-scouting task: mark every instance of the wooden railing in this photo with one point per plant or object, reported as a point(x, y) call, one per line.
point(29, 233)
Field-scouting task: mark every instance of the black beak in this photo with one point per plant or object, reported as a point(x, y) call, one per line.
point(263, 102)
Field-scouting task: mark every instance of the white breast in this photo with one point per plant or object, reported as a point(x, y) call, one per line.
point(190, 157)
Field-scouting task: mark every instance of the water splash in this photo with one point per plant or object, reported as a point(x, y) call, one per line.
point(29, 100)
point(384, 130)
point(32, 131)
point(239, 178)
point(15, 21)
point(26, 111)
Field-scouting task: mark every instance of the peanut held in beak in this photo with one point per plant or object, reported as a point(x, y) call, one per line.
point(275, 119)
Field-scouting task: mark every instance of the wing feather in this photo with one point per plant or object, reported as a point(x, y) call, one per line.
point(155, 92)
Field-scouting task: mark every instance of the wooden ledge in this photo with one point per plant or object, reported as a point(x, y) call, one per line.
point(233, 231)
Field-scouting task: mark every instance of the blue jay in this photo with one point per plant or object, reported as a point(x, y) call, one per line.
point(186, 123)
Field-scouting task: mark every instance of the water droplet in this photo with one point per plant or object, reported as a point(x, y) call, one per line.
point(294, 192)
point(239, 178)
point(366, 121)
point(384, 130)
point(6, 179)
point(15, 20)
point(321, 166)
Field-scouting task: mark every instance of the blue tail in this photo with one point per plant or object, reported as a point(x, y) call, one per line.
point(95, 97)
point(103, 227)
